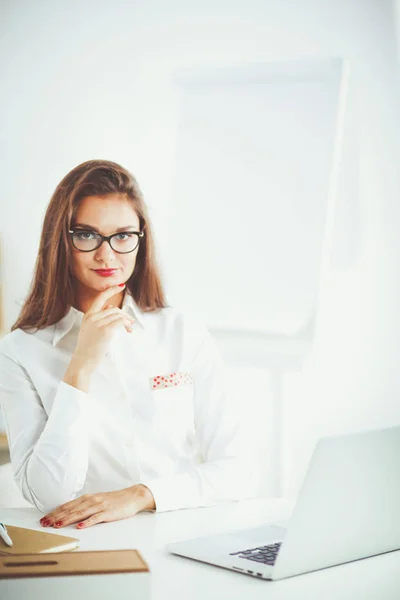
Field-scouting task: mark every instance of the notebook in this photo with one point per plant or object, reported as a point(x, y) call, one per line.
point(99, 574)
point(30, 541)
point(92, 562)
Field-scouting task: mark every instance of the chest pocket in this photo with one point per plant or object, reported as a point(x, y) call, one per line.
point(173, 409)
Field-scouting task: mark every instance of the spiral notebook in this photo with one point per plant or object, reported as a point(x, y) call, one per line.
point(30, 541)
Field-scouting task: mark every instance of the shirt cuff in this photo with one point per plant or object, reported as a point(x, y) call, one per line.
point(173, 491)
point(69, 411)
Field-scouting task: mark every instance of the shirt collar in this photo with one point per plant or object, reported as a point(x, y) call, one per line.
point(75, 316)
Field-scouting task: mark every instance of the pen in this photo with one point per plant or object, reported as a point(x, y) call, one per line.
point(4, 535)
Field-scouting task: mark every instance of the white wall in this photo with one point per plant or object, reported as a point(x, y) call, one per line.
point(92, 80)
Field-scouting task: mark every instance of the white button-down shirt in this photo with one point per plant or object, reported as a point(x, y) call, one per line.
point(184, 442)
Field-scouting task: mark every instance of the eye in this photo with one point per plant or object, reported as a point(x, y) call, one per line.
point(84, 235)
point(127, 236)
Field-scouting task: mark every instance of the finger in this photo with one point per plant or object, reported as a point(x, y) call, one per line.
point(61, 511)
point(77, 515)
point(114, 310)
point(55, 514)
point(101, 299)
point(116, 319)
point(93, 520)
point(127, 324)
point(59, 518)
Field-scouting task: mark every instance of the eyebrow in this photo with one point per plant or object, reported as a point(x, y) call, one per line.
point(92, 228)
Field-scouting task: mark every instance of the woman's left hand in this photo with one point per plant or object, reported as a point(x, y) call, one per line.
point(90, 509)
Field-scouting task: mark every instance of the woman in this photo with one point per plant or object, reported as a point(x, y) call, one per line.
point(114, 403)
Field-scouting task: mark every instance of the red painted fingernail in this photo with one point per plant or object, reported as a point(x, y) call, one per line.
point(80, 525)
point(121, 284)
point(45, 523)
point(58, 523)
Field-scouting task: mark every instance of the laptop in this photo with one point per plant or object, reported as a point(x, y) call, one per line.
point(347, 509)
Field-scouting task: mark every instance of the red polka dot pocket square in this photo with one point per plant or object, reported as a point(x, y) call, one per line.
point(170, 380)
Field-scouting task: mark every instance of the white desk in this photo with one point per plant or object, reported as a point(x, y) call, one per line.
point(376, 578)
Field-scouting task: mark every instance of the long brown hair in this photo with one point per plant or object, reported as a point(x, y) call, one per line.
point(52, 291)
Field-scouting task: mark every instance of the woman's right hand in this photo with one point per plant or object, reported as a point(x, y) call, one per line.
point(97, 329)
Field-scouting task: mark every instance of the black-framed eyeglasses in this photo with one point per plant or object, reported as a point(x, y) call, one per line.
point(123, 242)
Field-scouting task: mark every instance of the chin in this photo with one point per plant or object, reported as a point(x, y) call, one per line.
point(97, 283)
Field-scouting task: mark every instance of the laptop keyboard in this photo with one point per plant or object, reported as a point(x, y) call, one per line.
point(262, 554)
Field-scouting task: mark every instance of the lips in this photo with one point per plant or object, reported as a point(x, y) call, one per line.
point(105, 272)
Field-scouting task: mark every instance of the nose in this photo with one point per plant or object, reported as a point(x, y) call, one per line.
point(105, 253)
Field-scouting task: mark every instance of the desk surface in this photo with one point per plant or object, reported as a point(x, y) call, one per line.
point(376, 578)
